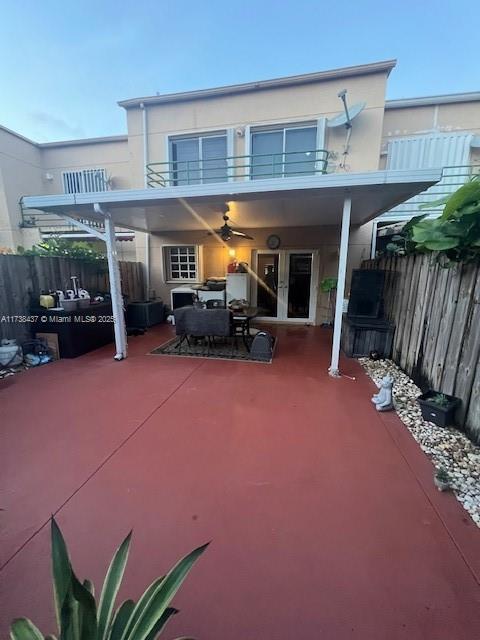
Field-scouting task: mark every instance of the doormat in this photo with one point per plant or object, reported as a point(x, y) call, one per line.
point(220, 349)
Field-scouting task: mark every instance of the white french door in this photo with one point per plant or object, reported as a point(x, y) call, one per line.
point(286, 283)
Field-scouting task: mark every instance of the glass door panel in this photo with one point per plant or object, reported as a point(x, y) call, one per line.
point(267, 154)
point(299, 285)
point(300, 145)
point(267, 284)
point(186, 161)
point(214, 159)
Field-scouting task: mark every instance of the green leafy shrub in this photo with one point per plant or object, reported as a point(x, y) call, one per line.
point(80, 617)
point(62, 248)
point(454, 236)
point(328, 284)
point(402, 243)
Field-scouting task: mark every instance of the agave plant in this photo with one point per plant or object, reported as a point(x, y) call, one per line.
point(80, 618)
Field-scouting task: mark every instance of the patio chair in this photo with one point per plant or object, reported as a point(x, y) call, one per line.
point(200, 323)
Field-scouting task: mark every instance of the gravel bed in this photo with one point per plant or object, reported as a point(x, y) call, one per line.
point(446, 447)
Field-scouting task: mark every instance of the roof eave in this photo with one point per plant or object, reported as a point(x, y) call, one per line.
point(385, 66)
point(83, 141)
point(427, 101)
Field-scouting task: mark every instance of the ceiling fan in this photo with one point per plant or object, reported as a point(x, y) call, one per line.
point(226, 232)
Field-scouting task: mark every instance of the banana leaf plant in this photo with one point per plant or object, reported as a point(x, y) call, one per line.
point(80, 617)
point(456, 234)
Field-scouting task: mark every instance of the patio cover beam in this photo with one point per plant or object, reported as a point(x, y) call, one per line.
point(85, 227)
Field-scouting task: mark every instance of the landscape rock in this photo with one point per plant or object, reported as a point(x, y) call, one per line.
point(446, 447)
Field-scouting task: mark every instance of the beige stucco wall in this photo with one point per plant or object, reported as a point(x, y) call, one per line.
point(20, 174)
point(110, 155)
point(24, 166)
point(215, 256)
point(279, 105)
point(442, 118)
point(267, 106)
point(461, 116)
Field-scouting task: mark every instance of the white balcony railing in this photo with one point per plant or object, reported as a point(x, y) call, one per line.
point(252, 167)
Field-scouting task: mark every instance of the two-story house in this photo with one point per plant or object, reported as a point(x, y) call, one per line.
point(302, 167)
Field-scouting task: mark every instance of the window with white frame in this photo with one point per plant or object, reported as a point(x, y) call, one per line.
point(181, 263)
point(198, 159)
point(283, 150)
point(84, 181)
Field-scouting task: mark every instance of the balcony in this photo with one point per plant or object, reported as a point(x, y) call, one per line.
point(429, 202)
point(246, 167)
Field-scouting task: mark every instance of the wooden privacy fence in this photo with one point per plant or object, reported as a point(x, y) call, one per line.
point(437, 316)
point(23, 277)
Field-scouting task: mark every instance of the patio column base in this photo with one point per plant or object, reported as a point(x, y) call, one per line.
point(334, 373)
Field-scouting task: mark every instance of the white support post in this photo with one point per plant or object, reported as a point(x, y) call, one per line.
point(373, 249)
point(115, 290)
point(342, 271)
point(147, 266)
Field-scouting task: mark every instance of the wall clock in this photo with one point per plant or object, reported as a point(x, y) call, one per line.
point(273, 241)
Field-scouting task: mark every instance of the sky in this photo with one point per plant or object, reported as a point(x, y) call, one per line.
point(65, 64)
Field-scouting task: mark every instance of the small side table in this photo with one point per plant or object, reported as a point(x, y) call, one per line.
point(241, 324)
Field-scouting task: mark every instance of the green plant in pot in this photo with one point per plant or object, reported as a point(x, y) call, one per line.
point(441, 479)
point(440, 399)
point(438, 407)
point(329, 285)
point(81, 617)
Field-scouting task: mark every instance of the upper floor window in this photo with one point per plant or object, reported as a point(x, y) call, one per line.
point(283, 151)
point(84, 181)
point(199, 159)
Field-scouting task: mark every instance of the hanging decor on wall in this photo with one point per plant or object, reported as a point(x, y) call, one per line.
point(273, 241)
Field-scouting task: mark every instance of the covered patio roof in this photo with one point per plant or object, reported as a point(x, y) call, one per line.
point(332, 199)
point(276, 202)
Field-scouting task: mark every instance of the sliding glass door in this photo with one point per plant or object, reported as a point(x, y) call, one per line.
point(286, 151)
point(199, 160)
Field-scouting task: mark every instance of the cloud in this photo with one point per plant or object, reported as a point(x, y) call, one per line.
point(50, 126)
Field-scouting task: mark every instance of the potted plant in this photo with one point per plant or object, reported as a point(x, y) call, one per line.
point(442, 479)
point(438, 408)
point(329, 285)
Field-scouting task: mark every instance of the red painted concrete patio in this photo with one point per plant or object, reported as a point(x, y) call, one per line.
point(323, 515)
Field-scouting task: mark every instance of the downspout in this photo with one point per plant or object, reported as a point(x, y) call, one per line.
point(145, 184)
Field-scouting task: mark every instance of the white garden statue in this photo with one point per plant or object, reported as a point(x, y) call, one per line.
point(383, 399)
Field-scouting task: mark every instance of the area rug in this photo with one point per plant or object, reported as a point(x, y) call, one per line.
point(221, 349)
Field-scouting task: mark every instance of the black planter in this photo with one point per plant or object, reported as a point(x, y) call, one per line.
point(443, 416)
